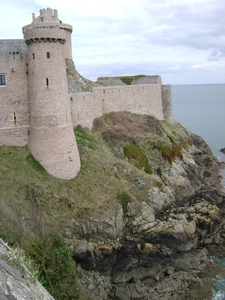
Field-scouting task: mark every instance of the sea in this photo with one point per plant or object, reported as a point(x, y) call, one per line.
point(200, 108)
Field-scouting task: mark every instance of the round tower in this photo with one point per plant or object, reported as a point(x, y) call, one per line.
point(51, 137)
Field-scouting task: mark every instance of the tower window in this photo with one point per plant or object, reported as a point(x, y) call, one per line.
point(2, 80)
point(33, 55)
point(48, 54)
point(47, 82)
point(14, 117)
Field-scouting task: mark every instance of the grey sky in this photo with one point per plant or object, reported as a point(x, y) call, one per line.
point(181, 40)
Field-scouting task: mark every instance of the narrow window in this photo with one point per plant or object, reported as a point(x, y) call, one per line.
point(14, 117)
point(47, 83)
point(33, 56)
point(14, 55)
point(2, 80)
point(48, 54)
point(71, 98)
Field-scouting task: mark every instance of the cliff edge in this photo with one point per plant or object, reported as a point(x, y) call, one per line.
point(141, 218)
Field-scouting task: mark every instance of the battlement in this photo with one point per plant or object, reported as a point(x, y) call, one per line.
point(47, 28)
point(46, 15)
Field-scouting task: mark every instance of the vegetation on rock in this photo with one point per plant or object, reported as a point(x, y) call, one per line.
point(128, 79)
point(136, 171)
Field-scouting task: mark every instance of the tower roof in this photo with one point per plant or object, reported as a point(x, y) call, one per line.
point(14, 45)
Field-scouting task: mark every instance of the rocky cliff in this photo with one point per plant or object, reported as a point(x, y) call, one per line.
point(155, 247)
point(141, 218)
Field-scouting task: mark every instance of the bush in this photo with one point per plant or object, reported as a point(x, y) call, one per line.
point(56, 267)
point(136, 156)
point(123, 199)
point(170, 151)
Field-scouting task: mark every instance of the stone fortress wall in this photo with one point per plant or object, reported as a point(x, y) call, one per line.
point(141, 99)
point(37, 107)
point(14, 112)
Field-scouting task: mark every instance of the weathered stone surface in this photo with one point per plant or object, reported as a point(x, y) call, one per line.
point(15, 286)
point(160, 200)
point(158, 256)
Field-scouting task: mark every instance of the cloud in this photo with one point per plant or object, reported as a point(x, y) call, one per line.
point(134, 36)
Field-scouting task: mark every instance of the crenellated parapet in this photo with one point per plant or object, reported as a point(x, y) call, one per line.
point(47, 28)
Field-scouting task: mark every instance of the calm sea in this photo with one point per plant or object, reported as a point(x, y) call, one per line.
point(200, 108)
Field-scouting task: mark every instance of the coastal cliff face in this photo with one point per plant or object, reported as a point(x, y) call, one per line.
point(142, 216)
point(155, 247)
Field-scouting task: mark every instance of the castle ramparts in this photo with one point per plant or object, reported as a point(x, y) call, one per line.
point(39, 106)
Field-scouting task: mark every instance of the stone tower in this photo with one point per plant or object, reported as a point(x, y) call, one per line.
point(51, 137)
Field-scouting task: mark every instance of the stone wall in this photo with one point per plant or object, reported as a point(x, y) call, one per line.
point(167, 102)
point(139, 79)
point(14, 107)
point(141, 99)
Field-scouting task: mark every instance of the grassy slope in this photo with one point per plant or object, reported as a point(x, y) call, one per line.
point(26, 188)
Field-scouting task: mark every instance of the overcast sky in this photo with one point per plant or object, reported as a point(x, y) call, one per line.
point(183, 41)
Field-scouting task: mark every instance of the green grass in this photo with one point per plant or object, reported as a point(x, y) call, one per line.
point(35, 164)
point(101, 178)
point(137, 157)
point(30, 197)
point(128, 79)
point(53, 259)
point(86, 139)
point(123, 199)
point(170, 151)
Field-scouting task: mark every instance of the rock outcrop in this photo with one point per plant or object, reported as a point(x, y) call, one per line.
point(222, 150)
point(141, 219)
point(160, 249)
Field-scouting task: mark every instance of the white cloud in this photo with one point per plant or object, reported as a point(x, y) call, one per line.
point(173, 38)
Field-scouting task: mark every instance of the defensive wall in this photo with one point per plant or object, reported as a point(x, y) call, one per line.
point(14, 106)
point(140, 99)
point(39, 106)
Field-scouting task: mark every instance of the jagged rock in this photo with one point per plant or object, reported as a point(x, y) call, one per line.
point(149, 248)
point(222, 150)
point(158, 257)
point(160, 200)
point(107, 225)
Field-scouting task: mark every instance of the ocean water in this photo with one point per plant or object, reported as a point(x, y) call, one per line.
point(200, 109)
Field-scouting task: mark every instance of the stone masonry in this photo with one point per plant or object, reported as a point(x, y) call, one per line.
point(39, 107)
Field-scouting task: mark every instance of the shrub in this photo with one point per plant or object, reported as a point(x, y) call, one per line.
point(170, 151)
point(136, 156)
point(56, 266)
point(123, 199)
